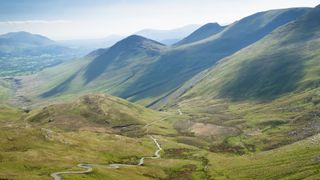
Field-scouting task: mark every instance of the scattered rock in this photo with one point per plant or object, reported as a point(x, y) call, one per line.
point(317, 158)
point(53, 136)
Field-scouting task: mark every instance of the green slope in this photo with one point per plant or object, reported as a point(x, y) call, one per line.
point(180, 64)
point(94, 111)
point(285, 61)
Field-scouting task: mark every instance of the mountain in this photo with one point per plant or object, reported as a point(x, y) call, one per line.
point(168, 36)
point(203, 32)
point(23, 53)
point(269, 91)
point(27, 44)
point(179, 64)
point(283, 62)
point(240, 104)
point(114, 68)
point(146, 71)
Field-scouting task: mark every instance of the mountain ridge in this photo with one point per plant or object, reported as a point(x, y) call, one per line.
point(203, 32)
point(154, 71)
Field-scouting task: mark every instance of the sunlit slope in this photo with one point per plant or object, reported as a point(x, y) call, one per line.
point(95, 111)
point(296, 161)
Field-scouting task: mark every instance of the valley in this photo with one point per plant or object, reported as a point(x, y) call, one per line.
point(236, 101)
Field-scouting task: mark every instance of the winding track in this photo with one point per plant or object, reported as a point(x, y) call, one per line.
point(88, 167)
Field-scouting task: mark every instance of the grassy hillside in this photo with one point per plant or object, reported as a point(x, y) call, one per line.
point(285, 61)
point(57, 137)
point(100, 112)
point(5, 90)
point(296, 161)
point(89, 130)
point(112, 70)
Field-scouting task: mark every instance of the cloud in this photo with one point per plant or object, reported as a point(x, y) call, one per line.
point(34, 22)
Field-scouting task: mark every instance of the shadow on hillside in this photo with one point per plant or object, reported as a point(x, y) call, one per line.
point(266, 78)
point(97, 67)
point(60, 88)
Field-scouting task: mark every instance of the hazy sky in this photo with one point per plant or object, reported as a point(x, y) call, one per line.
point(73, 19)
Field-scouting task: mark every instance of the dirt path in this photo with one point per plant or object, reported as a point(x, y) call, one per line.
point(89, 167)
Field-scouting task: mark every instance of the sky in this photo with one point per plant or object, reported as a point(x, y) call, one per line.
point(85, 19)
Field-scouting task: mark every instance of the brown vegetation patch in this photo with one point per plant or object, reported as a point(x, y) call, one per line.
point(201, 129)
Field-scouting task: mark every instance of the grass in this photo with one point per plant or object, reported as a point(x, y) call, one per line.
point(5, 91)
point(295, 161)
point(261, 126)
point(27, 151)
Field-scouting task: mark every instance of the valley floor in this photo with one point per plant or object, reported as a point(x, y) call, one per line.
point(29, 151)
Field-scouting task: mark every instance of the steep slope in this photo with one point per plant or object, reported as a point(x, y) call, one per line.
point(24, 43)
point(285, 61)
point(111, 70)
point(179, 64)
point(203, 32)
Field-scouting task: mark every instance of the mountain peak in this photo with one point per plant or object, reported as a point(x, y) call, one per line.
point(318, 6)
point(137, 38)
point(136, 41)
point(211, 25)
point(203, 32)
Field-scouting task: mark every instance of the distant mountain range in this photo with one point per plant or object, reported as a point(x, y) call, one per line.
point(168, 37)
point(92, 44)
point(144, 70)
point(27, 44)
